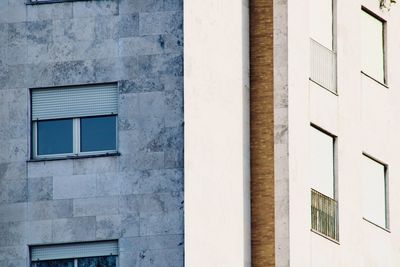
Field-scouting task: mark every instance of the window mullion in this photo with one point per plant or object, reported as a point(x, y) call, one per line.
point(77, 136)
point(34, 139)
point(75, 262)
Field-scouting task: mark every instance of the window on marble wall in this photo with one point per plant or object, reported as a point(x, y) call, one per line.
point(375, 201)
point(95, 254)
point(373, 46)
point(74, 121)
point(324, 205)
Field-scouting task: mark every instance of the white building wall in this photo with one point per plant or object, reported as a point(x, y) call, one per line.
point(217, 175)
point(365, 117)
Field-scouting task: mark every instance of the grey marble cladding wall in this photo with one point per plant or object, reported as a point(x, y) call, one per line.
point(136, 197)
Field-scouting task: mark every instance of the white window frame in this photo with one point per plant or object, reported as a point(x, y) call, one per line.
point(334, 163)
point(76, 141)
point(386, 188)
point(384, 48)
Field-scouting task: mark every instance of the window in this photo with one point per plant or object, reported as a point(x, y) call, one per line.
point(324, 207)
point(321, 22)
point(74, 121)
point(373, 46)
point(102, 254)
point(322, 44)
point(374, 178)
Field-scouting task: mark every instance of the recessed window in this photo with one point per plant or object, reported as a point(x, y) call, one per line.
point(50, 1)
point(374, 180)
point(321, 22)
point(324, 206)
point(73, 121)
point(102, 254)
point(373, 46)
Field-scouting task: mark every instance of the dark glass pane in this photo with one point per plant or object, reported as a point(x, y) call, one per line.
point(105, 261)
point(54, 137)
point(98, 133)
point(54, 263)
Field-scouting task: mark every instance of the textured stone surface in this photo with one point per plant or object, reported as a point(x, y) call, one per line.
point(137, 196)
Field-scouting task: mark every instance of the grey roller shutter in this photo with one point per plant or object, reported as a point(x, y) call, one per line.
point(74, 102)
point(71, 251)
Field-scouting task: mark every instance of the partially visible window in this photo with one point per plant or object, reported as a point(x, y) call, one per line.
point(324, 206)
point(374, 182)
point(373, 46)
point(321, 22)
point(50, 1)
point(322, 160)
point(73, 121)
point(96, 254)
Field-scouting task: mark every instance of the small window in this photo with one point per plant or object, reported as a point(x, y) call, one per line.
point(374, 179)
point(74, 121)
point(102, 254)
point(50, 1)
point(324, 206)
point(373, 47)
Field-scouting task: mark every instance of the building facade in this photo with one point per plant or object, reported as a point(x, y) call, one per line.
point(100, 166)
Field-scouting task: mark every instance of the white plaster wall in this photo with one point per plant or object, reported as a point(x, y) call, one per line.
point(366, 118)
point(217, 199)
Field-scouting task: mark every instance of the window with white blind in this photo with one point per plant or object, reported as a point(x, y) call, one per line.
point(321, 22)
point(74, 121)
point(373, 46)
point(374, 180)
point(102, 254)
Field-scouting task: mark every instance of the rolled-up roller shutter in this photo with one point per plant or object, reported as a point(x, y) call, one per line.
point(71, 251)
point(74, 102)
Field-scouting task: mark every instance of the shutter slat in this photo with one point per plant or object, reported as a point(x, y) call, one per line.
point(74, 102)
point(71, 251)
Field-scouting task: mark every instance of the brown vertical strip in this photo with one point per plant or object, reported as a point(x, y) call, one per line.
point(262, 133)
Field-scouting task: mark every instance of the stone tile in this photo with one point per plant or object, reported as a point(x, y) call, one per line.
point(129, 6)
point(39, 32)
point(107, 184)
point(162, 224)
point(72, 72)
point(173, 5)
point(95, 206)
point(141, 161)
point(74, 229)
point(12, 170)
point(40, 189)
point(156, 65)
point(49, 12)
point(157, 242)
point(95, 8)
point(77, 29)
point(130, 225)
point(12, 234)
point(50, 168)
point(95, 165)
point(13, 253)
point(13, 190)
point(108, 227)
point(161, 258)
point(128, 25)
point(106, 27)
point(160, 23)
point(152, 181)
point(75, 186)
point(173, 109)
point(144, 45)
point(46, 210)
point(13, 212)
point(40, 232)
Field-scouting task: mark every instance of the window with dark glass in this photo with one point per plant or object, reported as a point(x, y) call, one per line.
point(73, 121)
point(94, 254)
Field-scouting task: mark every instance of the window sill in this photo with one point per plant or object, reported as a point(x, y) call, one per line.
point(111, 154)
point(323, 87)
point(381, 227)
point(41, 2)
point(375, 80)
point(326, 237)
